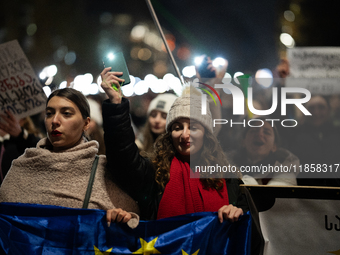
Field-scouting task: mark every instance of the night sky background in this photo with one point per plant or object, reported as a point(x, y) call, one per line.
point(245, 32)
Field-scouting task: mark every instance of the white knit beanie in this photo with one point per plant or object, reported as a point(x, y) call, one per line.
point(162, 102)
point(189, 105)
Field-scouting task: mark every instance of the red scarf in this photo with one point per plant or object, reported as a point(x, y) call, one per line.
point(184, 195)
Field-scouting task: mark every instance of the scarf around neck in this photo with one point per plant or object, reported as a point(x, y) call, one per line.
point(45, 177)
point(183, 194)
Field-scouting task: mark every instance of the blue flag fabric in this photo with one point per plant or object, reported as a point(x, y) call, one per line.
point(41, 229)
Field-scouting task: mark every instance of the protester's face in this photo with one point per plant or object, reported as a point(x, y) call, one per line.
point(64, 123)
point(259, 142)
point(157, 120)
point(187, 137)
point(319, 109)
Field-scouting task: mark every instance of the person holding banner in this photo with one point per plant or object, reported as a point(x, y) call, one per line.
point(58, 170)
point(162, 185)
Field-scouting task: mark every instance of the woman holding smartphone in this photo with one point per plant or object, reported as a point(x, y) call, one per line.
point(161, 184)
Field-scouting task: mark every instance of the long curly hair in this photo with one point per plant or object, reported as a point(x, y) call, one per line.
point(211, 153)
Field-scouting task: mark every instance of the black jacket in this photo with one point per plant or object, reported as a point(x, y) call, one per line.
point(15, 147)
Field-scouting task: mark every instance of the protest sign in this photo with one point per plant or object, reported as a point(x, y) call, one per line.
point(298, 219)
point(20, 89)
point(315, 68)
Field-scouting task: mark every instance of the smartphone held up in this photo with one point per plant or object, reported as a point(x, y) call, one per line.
point(207, 68)
point(118, 64)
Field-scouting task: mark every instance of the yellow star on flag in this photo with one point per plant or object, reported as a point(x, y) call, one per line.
point(334, 252)
point(195, 253)
point(98, 252)
point(147, 247)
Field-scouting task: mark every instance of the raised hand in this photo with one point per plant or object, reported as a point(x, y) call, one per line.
point(111, 85)
point(9, 124)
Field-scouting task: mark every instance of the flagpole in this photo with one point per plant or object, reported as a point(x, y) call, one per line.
point(155, 19)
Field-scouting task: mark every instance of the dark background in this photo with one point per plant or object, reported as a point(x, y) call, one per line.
point(243, 31)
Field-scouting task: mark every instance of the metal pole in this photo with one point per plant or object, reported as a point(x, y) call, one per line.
point(155, 19)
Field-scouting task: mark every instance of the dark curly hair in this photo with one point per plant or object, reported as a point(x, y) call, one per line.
point(211, 154)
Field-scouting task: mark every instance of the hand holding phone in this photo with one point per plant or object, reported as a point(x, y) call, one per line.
point(207, 68)
point(203, 68)
point(111, 85)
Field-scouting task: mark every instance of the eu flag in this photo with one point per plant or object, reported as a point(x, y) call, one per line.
point(41, 229)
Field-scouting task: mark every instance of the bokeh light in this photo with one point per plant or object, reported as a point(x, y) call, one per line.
point(264, 77)
point(138, 32)
point(289, 16)
point(63, 84)
point(31, 29)
point(70, 58)
point(219, 62)
point(47, 91)
point(141, 88)
point(189, 71)
point(287, 40)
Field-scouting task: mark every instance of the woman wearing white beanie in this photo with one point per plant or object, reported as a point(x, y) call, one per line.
point(156, 120)
point(162, 185)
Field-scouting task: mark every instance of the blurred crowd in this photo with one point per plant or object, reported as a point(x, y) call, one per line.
point(135, 157)
point(315, 140)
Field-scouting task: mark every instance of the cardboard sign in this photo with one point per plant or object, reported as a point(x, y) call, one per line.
point(315, 68)
point(20, 89)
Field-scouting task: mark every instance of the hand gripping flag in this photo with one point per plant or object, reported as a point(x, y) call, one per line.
point(41, 229)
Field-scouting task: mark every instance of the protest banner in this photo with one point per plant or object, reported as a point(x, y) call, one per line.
point(297, 219)
point(20, 89)
point(41, 229)
point(315, 68)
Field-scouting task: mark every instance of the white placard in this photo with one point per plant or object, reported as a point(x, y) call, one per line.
point(301, 226)
point(314, 62)
point(20, 89)
point(315, 68)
